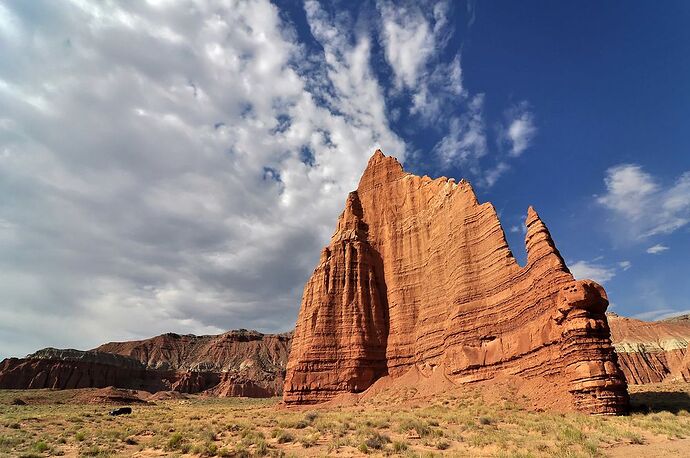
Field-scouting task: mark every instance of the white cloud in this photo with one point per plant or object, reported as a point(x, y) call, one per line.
point(465, 142)
point(582, 270)
point(414, 38)
point(520, 129)
point(438, 90)
point(656, 249)
point(660, 314)
point(641, 206)
point(673, 314)
point(625, 265)
point(177, 167)
point(408, 36)
point(414, 41)
point(653, 315)
point(492, 175)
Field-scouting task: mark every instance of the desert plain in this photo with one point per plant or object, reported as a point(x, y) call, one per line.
point(467, 422)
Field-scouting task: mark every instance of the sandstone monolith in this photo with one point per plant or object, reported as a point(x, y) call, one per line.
point(418, 276)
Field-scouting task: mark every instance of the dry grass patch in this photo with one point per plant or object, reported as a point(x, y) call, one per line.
point(456, 425)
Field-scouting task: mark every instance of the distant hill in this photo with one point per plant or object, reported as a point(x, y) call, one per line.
point(652, 351)
point(236, 363)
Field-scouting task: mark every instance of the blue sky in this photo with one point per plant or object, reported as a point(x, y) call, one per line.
point(177, 166)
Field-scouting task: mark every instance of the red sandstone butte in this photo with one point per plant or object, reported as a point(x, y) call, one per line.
point(418, 277)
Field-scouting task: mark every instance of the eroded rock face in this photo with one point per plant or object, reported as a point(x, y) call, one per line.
point(237, 363)
point(652, 351)
point(418, 275)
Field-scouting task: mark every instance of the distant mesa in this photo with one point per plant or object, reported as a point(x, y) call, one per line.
point(237, 363)
point(418, 286)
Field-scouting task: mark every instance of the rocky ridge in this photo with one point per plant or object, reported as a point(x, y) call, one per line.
point(652, 351)
point(237, 363)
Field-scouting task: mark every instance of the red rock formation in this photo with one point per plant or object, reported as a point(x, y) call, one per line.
point(237, 363)
point(35, 373)
point(418, 276)
point(652, 352)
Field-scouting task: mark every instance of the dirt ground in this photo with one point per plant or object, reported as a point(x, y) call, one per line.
point(460, 423)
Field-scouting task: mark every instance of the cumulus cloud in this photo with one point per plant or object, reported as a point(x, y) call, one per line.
point(177, 166)
point(172, 166)
point(592, 270)
point(643, 206)
point(656, 249)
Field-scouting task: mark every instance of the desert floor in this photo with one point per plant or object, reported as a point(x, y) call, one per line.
point(69, 423)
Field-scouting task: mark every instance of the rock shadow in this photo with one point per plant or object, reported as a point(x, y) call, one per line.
point(659, 401)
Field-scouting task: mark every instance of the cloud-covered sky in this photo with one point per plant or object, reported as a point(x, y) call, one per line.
point(177, 165)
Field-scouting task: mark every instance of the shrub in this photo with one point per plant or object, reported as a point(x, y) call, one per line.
point(399, 447)
point(174, 442)
point(485, 421)
point(261, 448)
point(95, 451)
point(284, 437)
point(422, 428)
point(377, 441)
point(40, 446)
point(571, 435)
point(250, 437)
point(301, 424)
point(209, 435)
point(211, 449)
point(363, 448)
point(443, 445)
point(309, 440)
point(240, 452)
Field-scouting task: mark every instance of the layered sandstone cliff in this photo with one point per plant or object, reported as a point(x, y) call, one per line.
point(237, 363)
point(652, 351)
point(418, 276)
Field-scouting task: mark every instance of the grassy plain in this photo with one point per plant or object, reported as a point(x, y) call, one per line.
point(54, 423)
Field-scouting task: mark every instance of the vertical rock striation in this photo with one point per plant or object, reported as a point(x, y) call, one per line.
point(419, 276)
point(343, 325)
